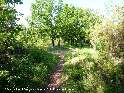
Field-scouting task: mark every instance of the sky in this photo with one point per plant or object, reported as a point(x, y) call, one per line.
point(99, 5)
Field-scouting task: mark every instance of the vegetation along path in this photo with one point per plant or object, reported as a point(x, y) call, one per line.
point(55, 79)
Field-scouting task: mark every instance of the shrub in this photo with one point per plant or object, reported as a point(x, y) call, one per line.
point(31, 70)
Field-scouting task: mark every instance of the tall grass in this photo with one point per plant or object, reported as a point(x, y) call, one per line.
point(85, 72)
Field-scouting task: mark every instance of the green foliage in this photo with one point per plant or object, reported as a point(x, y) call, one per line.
point(27, 70)
point(32, 38)
point(81, 72)
point(108, 39)
point(13, 1)
point(85, 71)
point(22, 64)
point(8, 28)
point(59, 21)
point(25, 61)
point(10, 2)
point(43, 17)
point(75, 24)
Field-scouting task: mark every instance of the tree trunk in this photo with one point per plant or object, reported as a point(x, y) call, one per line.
point(59, 43)
point(53, 43)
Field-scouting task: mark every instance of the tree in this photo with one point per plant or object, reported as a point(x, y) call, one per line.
point(43, 17)
point(8, 31)
point(59, 21)
point(8, 27)
point(75, 24)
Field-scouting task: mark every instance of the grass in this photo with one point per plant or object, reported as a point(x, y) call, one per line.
point(30, 70)
point(79, 69)
point(85, 71)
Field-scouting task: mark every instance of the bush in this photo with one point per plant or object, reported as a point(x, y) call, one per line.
point(81, 73)
point(108, 40)
point(31, 70)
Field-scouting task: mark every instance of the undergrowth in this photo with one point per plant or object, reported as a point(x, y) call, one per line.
point(85, 71)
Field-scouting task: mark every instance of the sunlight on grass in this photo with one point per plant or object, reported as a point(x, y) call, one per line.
point(79, 70)
point(3, 73)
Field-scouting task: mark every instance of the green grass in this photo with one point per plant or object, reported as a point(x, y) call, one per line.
point(85, 71)
point(79, 70)
point(30, 70)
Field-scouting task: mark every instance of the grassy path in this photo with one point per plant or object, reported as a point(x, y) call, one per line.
point(55, 79)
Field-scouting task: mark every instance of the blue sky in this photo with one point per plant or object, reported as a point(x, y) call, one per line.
point(99, 5)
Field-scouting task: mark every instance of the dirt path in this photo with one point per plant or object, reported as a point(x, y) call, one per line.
point(55, 79)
